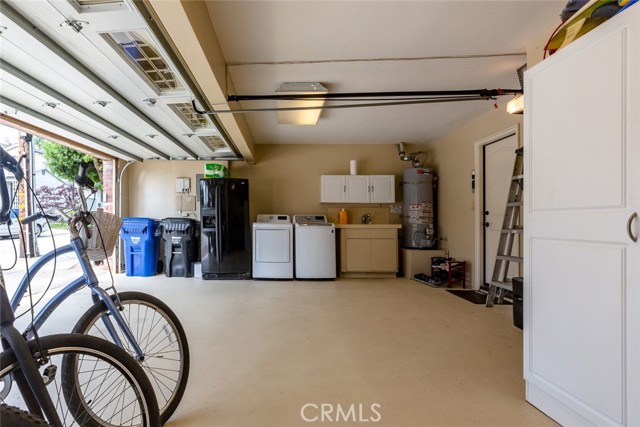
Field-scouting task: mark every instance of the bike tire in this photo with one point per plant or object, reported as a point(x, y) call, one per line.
point(147, 316)
point(92, 382)
point(11, 416)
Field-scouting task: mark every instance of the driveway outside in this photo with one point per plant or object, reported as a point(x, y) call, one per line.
point(67, 268)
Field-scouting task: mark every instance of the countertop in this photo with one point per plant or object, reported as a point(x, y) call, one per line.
point(365, 226)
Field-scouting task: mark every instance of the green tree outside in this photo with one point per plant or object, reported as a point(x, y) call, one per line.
point(63, 161)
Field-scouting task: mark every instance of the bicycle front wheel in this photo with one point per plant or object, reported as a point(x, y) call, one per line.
point(92, 382)
point(159, 334)
point(12, 416)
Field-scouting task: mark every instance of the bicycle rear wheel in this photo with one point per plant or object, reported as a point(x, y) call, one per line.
point(91, 381)
point(159, 333)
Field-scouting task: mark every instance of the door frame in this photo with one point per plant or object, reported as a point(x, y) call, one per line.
point(478, 147)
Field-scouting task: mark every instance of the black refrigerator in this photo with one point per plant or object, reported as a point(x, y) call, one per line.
point(225, 237)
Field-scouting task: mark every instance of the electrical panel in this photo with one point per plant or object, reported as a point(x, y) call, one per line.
point(183, 185)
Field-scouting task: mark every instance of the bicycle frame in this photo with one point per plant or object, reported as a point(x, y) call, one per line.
point(28, 379)
point(89, 279)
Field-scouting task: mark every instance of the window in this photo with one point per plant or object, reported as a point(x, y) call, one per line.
point(185, 111)
point(143, 54)
point(214, 142)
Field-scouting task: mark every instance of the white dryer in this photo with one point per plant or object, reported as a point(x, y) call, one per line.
point(273, 247)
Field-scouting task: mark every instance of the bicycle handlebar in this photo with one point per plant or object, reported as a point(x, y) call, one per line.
point(9, 163)
point(12, 165)
point(39, 215)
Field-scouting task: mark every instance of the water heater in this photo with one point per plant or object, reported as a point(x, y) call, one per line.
point(418, 208)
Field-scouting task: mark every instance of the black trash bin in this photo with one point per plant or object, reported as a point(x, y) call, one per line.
point(517, 301)
point(180, 250)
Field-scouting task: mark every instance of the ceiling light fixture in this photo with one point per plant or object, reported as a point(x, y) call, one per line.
point(302, 117)
point(516, 105)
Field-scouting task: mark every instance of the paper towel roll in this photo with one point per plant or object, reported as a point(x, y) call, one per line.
point(353, 167)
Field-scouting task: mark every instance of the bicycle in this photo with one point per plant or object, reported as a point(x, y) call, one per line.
point(144, 325)
point(74, 379)
point(69, 379)
point(12, 416)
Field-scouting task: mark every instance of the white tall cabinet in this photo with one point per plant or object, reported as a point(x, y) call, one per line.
point(581, 263)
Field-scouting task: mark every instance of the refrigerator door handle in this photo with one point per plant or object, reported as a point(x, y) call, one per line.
point(218, 225)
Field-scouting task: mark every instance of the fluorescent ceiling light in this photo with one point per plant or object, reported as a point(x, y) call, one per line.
point(300, 117)
point(516, 105)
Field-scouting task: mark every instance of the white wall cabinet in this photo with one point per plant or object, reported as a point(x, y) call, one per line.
point(333, 189)
point(581, 268)
point(357, 189)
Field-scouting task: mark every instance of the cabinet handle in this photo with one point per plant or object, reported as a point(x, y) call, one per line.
point(629, 231)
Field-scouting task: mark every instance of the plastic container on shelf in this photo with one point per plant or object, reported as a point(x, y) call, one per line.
point(344, 217)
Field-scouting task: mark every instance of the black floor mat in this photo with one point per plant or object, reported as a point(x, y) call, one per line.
point(475, 297)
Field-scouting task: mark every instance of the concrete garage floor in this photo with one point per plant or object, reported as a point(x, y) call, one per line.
point(262, 350)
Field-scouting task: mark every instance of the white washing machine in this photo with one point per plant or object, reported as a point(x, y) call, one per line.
point(273, 247)
point(315, 247)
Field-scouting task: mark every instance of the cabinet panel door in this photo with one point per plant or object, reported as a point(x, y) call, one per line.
point(384, 255)
point(332, 188)
point(582, 189)
point(357, 188)
point(358, 255)
point(383, 189)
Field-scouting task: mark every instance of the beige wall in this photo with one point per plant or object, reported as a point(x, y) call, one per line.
point(453, 158)
point(286, 178)
point(152, 184)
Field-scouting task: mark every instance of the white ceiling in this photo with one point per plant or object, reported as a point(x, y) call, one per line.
point(348, 46)
point(55, 78)
point(354, 46)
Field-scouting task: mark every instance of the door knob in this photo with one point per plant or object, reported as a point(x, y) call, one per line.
point(486, 212)
point(486, 224)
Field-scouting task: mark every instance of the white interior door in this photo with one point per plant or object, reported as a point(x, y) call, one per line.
point(498, 168)
point(582, 275)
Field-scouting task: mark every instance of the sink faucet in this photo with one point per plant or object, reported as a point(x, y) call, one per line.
point(366, 219)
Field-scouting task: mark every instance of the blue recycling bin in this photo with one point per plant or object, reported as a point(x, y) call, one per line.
point(142, 238)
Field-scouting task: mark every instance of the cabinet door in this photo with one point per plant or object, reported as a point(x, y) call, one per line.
point(582, 189)
point(332, 188)
point(357, 188)
point(358, 257)
point(383, 188)
point(384, 255)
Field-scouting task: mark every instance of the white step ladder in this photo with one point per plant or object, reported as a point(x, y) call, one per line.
point(511, 227)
